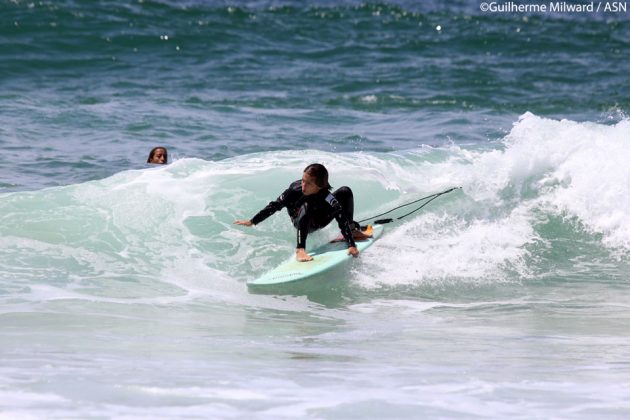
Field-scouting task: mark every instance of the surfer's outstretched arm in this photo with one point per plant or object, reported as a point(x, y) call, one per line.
point(269, 209)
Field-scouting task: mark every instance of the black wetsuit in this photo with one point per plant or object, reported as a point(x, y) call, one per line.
point(311, 212)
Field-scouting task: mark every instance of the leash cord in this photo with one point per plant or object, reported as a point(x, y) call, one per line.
point(430, 197)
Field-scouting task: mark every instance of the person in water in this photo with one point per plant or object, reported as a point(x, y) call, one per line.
point(158, 155)
point(311, 206)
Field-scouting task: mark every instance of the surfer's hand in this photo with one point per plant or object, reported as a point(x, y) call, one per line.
point(301, 255)
point(243, 222)
point(353, 251)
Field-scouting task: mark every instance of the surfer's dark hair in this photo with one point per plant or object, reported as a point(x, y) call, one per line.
point(155, 149)
point(320, 173)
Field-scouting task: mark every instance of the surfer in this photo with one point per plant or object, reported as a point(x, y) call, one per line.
point(158, 155)
point(311, 206)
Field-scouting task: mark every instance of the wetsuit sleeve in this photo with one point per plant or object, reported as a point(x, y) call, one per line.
point(342, 220)
point(272, 207)
point(302, 231)
point(344, 226)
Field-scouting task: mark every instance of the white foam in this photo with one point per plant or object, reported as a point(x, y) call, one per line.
point(437, 248)
point(369, 99)
point(12, 399)
point(207, 392)
point(545, 166)
point(578, 169)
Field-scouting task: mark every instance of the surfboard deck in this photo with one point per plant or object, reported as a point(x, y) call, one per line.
point(325, 258)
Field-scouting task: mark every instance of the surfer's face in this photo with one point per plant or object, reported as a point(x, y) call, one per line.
point(309, 187)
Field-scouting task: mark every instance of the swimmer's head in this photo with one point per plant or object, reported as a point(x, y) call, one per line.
point(158, 155)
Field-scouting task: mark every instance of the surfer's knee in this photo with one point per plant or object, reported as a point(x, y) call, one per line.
point(345, 198)
point(343, 192)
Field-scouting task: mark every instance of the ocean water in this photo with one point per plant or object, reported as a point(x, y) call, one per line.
point(123, 286)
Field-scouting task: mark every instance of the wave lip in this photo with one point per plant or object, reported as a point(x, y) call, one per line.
point(583, 171)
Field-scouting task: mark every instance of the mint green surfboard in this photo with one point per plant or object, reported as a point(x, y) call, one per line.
point(325, 258)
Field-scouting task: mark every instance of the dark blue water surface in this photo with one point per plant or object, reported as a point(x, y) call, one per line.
point(87, 88)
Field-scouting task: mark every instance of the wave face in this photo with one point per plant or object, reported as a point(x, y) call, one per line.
point(525, 205)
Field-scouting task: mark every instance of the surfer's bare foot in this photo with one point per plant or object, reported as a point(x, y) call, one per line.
point(357, 235)
point(361, 233)
point(302, 256)
point(360, 236)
